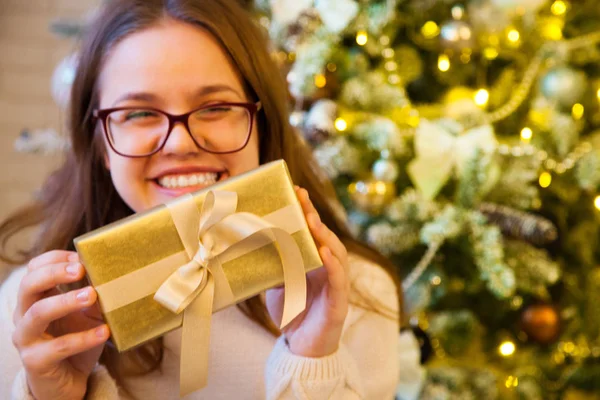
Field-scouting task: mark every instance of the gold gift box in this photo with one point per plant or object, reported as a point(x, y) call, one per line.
point(130, 244)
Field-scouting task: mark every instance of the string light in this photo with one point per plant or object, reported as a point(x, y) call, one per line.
point(511, 381)
point(597, 202)
point(553, 28)
point(384, 40)
point(507, 348)
point(320, 81)
point(569, 347)
point(598, 94)
point(457, 12)
point(331, 67)
point(281, 56)
point(436, 280)
point(482, 97)
point(550, 163)
point(388, 53)
point(362, 38)
point(490, 53)
point(516, 302)
point(513, 35)
point(430, 30)
point(380, 187)
point(443, 63)
point(265, 22)
point(545, 179)
point(559, 7)
point(578, 111)
point(394, 79)
point(391, 66)
point(340, 124)
point(526, 134)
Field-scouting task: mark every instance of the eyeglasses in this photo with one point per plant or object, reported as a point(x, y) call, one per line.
point(220, 128)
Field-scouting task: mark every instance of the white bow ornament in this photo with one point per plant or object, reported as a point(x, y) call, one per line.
point(441, 149)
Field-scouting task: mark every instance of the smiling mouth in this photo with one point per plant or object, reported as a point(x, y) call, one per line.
point(183, 181)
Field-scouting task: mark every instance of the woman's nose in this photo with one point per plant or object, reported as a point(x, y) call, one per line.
point(180, 141)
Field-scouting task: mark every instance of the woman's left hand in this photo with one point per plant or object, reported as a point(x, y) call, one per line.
point(316, 332)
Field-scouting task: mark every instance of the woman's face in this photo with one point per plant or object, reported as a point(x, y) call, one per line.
point(174, 67)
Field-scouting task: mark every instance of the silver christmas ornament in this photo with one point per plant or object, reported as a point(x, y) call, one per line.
point(385, 170)
point(564, 85)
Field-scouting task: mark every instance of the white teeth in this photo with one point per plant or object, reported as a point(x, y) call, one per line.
point(181, 181)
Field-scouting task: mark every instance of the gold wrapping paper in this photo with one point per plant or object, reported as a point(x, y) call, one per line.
point(145, 238)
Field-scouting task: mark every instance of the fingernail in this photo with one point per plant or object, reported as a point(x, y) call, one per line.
point(101, 331)
point(83, 296)
point(73, 269)
point(73, 258)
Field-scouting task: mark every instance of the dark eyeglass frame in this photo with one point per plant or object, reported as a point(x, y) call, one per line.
point(102, 115)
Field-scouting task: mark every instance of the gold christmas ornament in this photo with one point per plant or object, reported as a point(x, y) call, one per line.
point(372, 195)
point(458, 93)
point(457, 35)
point(409, 65)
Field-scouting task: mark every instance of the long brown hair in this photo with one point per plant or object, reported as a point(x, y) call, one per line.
point(80, 196)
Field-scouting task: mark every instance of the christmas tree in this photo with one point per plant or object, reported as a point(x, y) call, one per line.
point(464, 141)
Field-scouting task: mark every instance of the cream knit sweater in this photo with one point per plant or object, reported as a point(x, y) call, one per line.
point(246, 362)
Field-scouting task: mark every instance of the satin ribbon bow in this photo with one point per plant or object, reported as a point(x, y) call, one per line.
point(191, 288)
point(441, 148)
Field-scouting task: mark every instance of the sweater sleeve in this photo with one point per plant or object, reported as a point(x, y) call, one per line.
point(366, 365)
point(100, 386)
point(13, 380)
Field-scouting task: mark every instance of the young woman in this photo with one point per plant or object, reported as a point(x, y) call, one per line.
point(142, 63)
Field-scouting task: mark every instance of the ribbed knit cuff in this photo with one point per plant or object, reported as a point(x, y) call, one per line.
point(289, 376)
point(283, 362)
point(101, 386)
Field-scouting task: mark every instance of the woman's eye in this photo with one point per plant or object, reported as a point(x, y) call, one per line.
point(139, 114)
point(217, 110)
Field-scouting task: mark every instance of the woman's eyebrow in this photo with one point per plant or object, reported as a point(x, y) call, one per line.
point(203, 91)
point(139, 96)
point(211, 89)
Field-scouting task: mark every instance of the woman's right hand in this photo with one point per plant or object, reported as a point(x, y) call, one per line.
point(59, 336)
